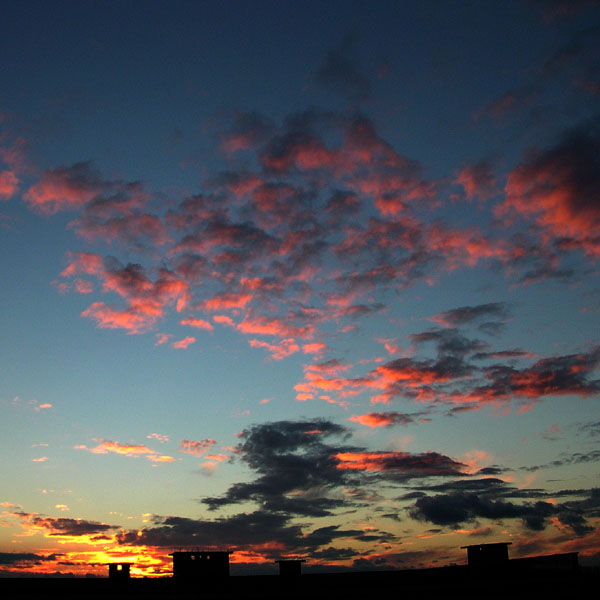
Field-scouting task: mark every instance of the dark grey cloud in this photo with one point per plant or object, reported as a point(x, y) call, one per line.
point(500, 354)
point(242, 532)
point(239, 530)
point(290, 456)
point(461, 501)
point(301, 467)
point(464, 315)
point(553, 9)
point(456, 508)
point(360, 310)
point(342, 203)
point(567, 459)
point(592, 428)
point(576, 53)
point(449, 342)
point(247, 129)
point(27, 559)
point(341, 73)
point(554, 376)
point(62, 526)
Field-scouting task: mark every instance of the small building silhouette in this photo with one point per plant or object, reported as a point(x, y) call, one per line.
point(487, 555)
point(290, 567)
point(201, 564)
point(119, 571)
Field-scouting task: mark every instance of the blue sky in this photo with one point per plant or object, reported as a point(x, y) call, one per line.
point(322, 273)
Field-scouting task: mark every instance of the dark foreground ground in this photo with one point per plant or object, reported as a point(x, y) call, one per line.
point(431, 583)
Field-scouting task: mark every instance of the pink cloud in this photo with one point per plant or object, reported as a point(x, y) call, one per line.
point(227, 301)
point(84, 263)
point(477, 180)
point(329, 367)
point(8, 184)
point(279, 351)
point(83, 286)
point(64, 188)
point(146, 299)
point(197, 323)
point(162, 338)
point(557, 188)
point(224, 320)
point(138, 318)
point(184, 343)
point(125, 228)
point(315, 348)
point(263, 325)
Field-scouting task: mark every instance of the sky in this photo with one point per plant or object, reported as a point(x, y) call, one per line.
point(298, 279)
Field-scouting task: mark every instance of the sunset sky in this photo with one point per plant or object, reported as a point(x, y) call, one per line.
point(313, 278)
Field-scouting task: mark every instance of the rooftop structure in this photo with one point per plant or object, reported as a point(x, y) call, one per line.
point(290, 567)
point(487, 555)
point(119, 570)
point(201, 564)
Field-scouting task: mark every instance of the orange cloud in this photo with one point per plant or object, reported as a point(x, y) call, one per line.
point(386, 419)
point(160, 458)
point(105, 446)
point(411, 465)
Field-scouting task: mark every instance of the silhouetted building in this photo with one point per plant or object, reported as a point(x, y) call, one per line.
point(568, 562)
point(201, 563)
point(290, 567)
point(487, 555)
point(119, 570)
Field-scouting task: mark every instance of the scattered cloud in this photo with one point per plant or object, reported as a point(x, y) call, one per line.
point(197, 448)
point(158, 436)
